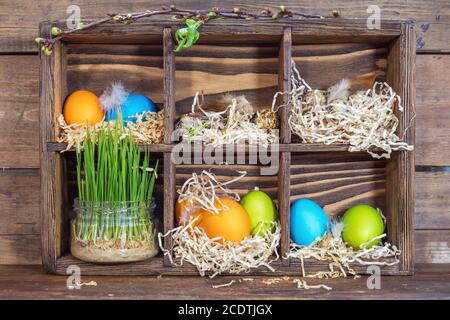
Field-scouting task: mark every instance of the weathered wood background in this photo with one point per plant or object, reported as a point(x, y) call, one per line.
point(19, 73)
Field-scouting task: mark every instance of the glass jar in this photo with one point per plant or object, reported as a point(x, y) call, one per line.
point(113, 231)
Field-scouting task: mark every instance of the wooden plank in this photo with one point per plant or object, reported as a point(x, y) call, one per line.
point(19, 202)
point(284, 207)
point(155, 266)
point(138, 67)
point(356, 61)
point(432, 200)
point(248, 69)
point(337, 181)
point(284, 83)
point(433, 112)
point(169, 85)
point(433, 246)
point(315, 30)
point(51, 99)
point(21, 249)
point(169, 202)
point(169, 112)
point(432, 16)
point(400, 168)
point(25, 282)
point(19, 112)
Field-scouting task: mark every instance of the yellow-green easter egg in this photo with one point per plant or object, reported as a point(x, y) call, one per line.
point(261, 211)
point(362, 223)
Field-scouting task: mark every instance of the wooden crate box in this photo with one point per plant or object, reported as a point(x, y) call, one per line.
point(242, 57)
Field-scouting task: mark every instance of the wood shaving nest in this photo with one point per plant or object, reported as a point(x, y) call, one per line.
point(365, 120)
point(340, 256)
point(235, 125)
point(191, 244)
point(148, 129)
point(205, 190)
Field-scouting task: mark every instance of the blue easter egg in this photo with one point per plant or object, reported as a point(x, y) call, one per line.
point(134, 104)
point(308, 222)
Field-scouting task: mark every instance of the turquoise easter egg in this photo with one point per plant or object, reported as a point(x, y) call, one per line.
point(308, 222)
point(135, 104)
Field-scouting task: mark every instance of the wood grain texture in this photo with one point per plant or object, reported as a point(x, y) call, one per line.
point(28, 282)
point(19, 111)
point(138, 67)
point(51, 98)
point(346, 60)
point(433, 17)
point(21, 249)
point(432, 200)
point(400, 168)
point(433, 112)
point(169, 201)
point(337, 181)
point(284, 193)
point(245, 69)
point(169, 85)
point(284, 85)
point(19, 203)
point(433, 246)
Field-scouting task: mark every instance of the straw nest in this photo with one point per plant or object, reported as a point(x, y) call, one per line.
point(148, 129)
point(238, 123)
point(191, 244)
point(366, 120)
point(331, 248)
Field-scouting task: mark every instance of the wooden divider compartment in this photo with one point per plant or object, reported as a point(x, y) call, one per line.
point(250, 58)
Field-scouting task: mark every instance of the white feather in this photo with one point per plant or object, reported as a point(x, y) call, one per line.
point(337, 227)
point(338, 91)
point(113, 96)
point(242, 104)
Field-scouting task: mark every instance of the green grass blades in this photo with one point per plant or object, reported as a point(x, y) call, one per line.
point(115, 187)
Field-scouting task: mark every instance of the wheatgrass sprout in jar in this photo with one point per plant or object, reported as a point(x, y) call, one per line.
point(115, 219)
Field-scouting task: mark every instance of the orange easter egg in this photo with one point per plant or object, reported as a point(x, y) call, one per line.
point(185, 210)
point(232, 223)
point(82, 107)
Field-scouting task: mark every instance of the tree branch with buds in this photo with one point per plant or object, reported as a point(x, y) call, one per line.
point(186, 36)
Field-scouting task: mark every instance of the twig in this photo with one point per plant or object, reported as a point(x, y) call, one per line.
point(201, 16)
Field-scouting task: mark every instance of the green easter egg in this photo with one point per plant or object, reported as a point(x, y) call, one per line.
point(261, 211)
point(362, 223)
